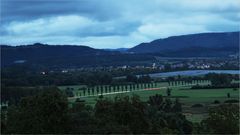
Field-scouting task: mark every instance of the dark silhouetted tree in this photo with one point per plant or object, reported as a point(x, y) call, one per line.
point(169, 92)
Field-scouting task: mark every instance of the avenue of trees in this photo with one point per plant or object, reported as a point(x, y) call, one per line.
point(13, 94)
point(102, 89)
point(49, 112)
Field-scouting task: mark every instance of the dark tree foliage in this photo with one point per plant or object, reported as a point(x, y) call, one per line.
point(118, 88)
point(126, 87)
point(84, 91)
point(43, 113)
point(69, 92)
point(14, 94)
point(131, 78)
point(137, 86)
point(81, 119)
point(219, 79)
point(93, 90)
point(114, 88)
point(169, 92)
point(134, 87)
point(97, 89)
point(166, 117)
point(110, 89)
point(144, 79)
point(177, 107)
point(29, 77)
point(223, 119)
point(101, 89)
point(106, 89)
point(49, 113)
point(119, 113)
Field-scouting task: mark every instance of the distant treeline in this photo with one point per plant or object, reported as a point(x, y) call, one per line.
point(27, 76)
point(233, 85)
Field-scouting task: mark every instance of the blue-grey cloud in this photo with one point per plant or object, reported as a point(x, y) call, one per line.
point(111, 23)
point(32, 9)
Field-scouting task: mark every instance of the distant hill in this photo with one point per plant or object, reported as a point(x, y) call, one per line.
point(205, 44)
point(118, 49)
point(195, 45)
point(65, 56)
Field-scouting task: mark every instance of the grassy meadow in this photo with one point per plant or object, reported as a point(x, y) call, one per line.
point(187, 96)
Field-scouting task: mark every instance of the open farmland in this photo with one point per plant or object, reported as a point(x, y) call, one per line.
point(195, 102)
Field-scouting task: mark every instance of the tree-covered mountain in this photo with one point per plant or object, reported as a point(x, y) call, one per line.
point(195, 45)
point(66, 56)
point(204, 44)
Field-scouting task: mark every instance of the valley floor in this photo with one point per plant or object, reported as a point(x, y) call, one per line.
point(196, 102)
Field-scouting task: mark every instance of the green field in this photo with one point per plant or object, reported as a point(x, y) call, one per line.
point(78, 92)
point(187, 97)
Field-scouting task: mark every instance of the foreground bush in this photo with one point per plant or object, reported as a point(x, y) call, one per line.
point(223, 119)
point(232, 101)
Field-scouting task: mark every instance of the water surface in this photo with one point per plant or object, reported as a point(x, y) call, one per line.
point(193, 73)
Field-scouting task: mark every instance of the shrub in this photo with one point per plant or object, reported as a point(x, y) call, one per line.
point(197, 105)
point(235, 89)
point(232, 101)
point(223, 119)
point(216, 102)
point(80, 100)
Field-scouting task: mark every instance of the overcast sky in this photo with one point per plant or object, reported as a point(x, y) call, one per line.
point(112, 23)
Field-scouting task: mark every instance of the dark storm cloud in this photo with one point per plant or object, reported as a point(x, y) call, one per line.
point(13, 10)
point(112, 23)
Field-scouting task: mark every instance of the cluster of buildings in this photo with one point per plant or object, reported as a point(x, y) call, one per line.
point(170, 64)
point(189, 64)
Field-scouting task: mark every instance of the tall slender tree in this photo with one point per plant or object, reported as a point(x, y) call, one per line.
point(130, 87)
point(169, 92)
point(118, 88)
point(114, 88)
point(84, 91)
point(109, 88)
point(89, 92)
point(93, 90)
point(137, 86)
point(148, 85)
point(155, 84)
point(97, 90)
point(106, 89)
point(101, 89)
point(145, 85)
